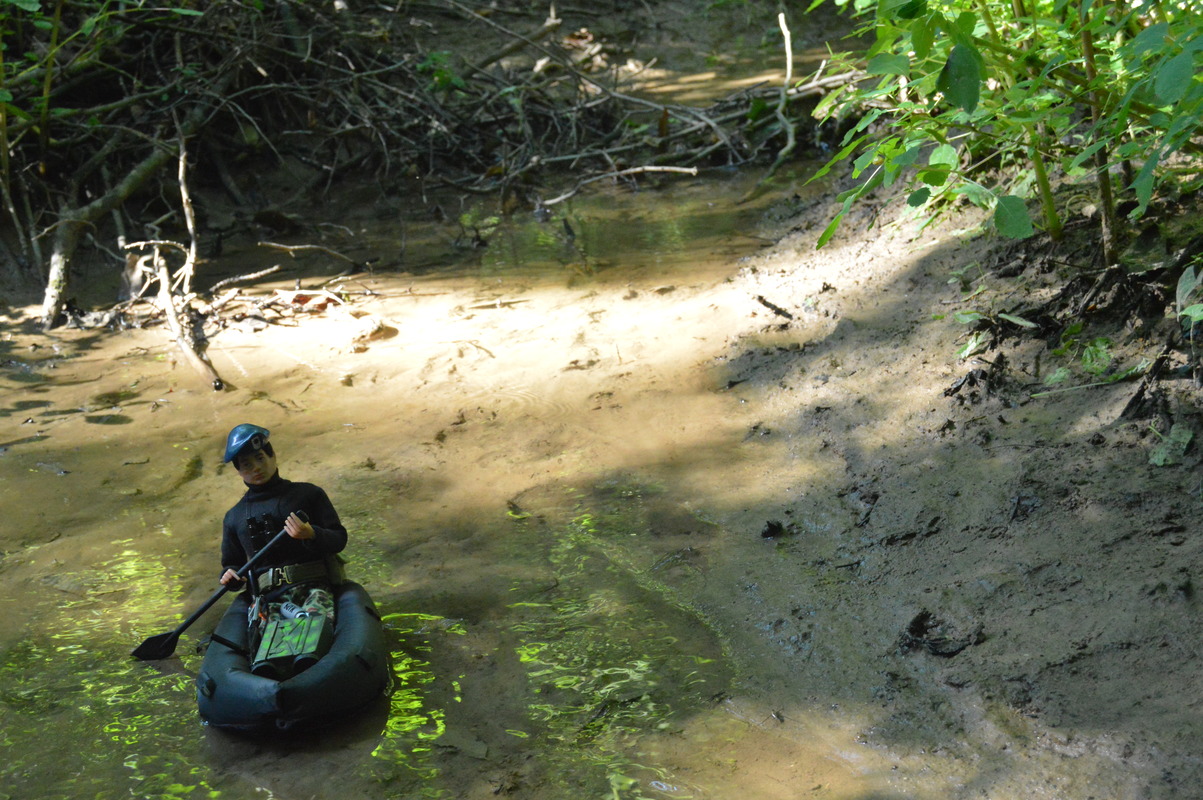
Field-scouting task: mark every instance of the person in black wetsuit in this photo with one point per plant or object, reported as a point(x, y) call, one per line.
point(271, 503)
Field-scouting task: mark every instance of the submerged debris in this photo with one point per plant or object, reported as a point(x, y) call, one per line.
point(928, 632)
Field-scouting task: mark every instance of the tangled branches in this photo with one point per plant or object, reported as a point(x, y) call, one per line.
point(107, 97)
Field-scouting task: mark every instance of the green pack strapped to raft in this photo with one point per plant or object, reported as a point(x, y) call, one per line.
point(291, 646)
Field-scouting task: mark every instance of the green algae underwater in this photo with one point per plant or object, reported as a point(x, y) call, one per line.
point(605, 662)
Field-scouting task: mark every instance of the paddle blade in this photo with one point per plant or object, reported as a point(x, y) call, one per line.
point(157, 647)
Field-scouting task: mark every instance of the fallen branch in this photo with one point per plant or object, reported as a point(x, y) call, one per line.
point(249, 276)
point(791, 140)
point(619, 174)
point(293, 249)
point(552, 24)
point(191, 355)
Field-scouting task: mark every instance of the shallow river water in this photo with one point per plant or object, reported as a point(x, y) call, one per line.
point(505, 435)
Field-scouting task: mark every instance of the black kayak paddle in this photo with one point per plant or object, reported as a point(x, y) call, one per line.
point(163, 645)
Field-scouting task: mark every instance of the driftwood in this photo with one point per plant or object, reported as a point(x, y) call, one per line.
point(186, 345)
point(167, 305)
point(293, 249)
point(619, 174)
point(550, 26)
point(244, 278)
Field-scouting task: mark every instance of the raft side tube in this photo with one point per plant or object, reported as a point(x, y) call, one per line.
point(351, 675)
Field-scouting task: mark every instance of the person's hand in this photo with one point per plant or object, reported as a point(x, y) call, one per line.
point(298, 529)
point(231, 578)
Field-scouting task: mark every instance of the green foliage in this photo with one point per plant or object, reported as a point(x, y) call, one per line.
point(442, 78)
point(982, 100)
point(1188, 284)
point(1094, 356)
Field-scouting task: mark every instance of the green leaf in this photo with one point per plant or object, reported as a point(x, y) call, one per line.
point(1011, 218)
point(1173, 447)
point(906, 157)
point(944, 154)
point(1096, 355)
point(889, 64)
point(837, 158)
point(1187, 283)
point(1087, 153)
point(976, 344)
point(922, 36)
point(1129, 373)
point(187, 12)
point(1174, 78)
point(976, 194)
point(829, 231)
point(961, 78)
point(912, 9)
point(968, 317)
point(1150, 39)
point(1060, 375)
point(934, 176)
point(865, 122)
point(918, 197)
point(1193, 312)
point(963, 26)
point(1143, 186)
point(1020, 321)
point(866, 159)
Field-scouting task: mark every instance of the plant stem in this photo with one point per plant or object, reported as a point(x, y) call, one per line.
point(1102, 172)
point(1048, 204)
point(51, 55)
point(5, 168)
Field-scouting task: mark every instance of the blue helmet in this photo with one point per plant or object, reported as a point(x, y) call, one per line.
point(244, 437)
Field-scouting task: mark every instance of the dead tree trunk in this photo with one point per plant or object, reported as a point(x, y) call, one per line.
point(73, 221)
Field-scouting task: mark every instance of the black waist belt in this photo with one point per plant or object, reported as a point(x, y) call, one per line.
point(293, 573)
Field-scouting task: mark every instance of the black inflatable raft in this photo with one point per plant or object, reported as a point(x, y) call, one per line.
point(350, 676)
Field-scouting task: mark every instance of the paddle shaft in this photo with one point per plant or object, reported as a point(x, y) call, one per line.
point(221, 592)
point(163, 645)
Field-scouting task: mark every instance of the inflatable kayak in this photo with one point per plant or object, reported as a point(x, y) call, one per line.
point(354, 672)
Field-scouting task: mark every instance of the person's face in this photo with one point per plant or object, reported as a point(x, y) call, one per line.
point(255, 468)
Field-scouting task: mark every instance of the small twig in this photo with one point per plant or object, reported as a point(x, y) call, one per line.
point(776, 309)
point(192, 355)
point(249, 276)
point(620, 173)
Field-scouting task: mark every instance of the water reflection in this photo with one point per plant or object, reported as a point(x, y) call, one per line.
point(609, 659)
point(80, 718)
point(406, 745)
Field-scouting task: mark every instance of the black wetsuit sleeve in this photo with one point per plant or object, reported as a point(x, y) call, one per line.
point(233, 555)
point(330, 536)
